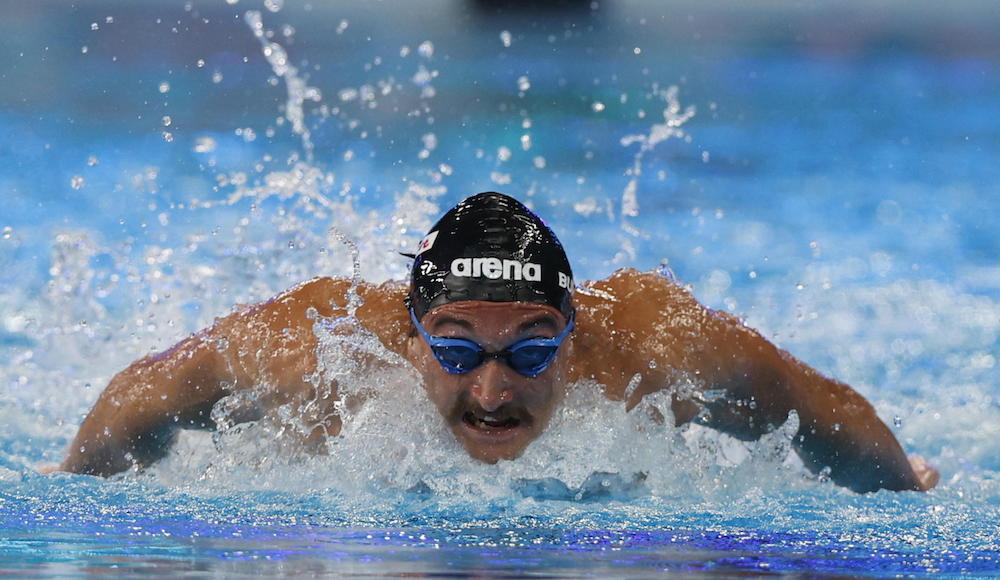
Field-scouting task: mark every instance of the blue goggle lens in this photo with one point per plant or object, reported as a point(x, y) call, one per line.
point(529, 357)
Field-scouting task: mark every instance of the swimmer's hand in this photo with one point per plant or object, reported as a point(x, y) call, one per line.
point(927, 475)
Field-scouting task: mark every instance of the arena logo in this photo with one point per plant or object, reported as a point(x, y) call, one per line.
point(496, 269)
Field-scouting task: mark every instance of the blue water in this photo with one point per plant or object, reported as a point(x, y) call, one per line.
point(834, 183)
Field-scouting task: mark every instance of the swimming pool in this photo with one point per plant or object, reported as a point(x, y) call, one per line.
point(827, 173)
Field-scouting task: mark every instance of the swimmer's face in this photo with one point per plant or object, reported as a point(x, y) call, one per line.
point(493, 410)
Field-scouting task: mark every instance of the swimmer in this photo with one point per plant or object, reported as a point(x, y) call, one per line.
point(492, 321)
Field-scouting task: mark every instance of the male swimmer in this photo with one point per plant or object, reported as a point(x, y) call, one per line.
point(493, 323)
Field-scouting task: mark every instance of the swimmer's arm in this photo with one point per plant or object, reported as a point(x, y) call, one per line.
point(839, 432)
point(742, 384)
point(267, 350)
point(136, 416)
point(270, 345)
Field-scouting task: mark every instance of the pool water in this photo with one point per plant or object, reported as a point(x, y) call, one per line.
point(826, 172)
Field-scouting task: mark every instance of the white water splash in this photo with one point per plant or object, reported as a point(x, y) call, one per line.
point(674, 117)
point(298, 90)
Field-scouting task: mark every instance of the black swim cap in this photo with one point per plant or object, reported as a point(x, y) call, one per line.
point(490, 247)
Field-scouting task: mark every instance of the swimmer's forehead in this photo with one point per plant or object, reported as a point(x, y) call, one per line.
point(467, 312)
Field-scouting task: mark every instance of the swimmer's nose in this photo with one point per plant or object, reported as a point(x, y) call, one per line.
point(491, 388)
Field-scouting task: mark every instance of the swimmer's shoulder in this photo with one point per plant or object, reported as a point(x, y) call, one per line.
point(381, 306)
point(631, 289)
point(327, 297)
point(629, 319)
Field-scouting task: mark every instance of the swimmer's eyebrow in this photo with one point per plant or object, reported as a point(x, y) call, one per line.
point(542, 320)
point(445, 319)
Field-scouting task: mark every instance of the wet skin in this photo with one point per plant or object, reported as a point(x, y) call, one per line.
point(493, 410)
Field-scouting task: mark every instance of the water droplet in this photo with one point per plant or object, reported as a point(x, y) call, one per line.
point(164, 87)
point(505, 38)
point(217, 77)
point(291, 245)
point(84, 50)
point(503, 154)
point(523, 84)
point(274, 5)
point(597, 106)
point(77, 182)
point(343, 26)
point(430, 141)
point(168, 136)
point(539, 162)
point(637, 50)
point(426, 49)
point(7, 231)
point(92, 161)
point(800, 286)
point(230, 2)
point(204, 145)
point(836, 427)
point(200, 63)
point(166, 120)
point(94, 26)
point(897, 421)
point(652, 364)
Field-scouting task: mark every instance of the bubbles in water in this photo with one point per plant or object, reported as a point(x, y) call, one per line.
point(503, 154)
point(166, 120)
point(426, 49)
point(231, 2)
point(523, 84)
point(92, 161)
point(94, 26)
point(84, 50)
point(76, 182)
point(597, 106)
point(505, 38)
point(274, 5)
point(164, 87)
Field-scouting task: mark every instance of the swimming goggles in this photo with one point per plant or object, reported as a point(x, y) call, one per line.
point(529, 357)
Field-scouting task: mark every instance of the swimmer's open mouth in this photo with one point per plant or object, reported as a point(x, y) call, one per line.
point(489, 422)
